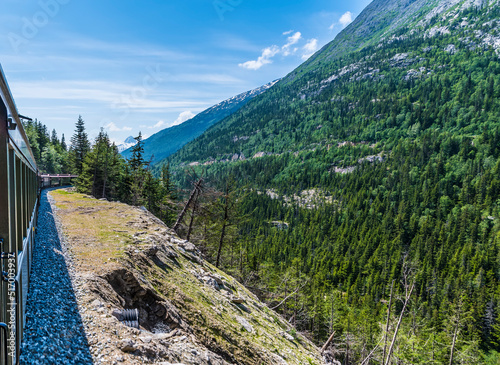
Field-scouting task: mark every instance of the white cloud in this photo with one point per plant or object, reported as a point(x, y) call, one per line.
point(265, 59)
point(310, 48)
point(269, 52)
point(290, 42)
point(160, 124)
point(183, 117)
point(112, 127)
point(346, 19)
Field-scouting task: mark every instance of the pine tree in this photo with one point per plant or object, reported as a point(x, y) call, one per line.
point(63, 143)
point(53, 138)
point(79, 146)
point(137, 171)
point(136, 162)
point(102, 169)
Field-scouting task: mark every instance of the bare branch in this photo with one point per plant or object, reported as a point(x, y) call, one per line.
point(288, 296)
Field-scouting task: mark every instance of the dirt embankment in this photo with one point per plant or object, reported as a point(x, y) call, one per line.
point(188, 311)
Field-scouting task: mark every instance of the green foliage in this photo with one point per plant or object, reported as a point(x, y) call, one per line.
point(168, 195)
point(101, 170)
point(105, 174)
point(392, 151)
point(50, 155)
point(80, 145)
point(492, 358)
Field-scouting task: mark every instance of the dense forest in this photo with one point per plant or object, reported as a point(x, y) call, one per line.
point(362, 197)
point(50, 152)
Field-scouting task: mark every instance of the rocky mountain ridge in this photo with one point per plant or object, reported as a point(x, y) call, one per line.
point(390, 20)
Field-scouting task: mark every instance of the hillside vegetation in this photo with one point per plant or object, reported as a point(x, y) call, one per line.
point(394, 141)
point(189, 312)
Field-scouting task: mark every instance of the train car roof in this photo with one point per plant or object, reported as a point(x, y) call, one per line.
point(15, 128)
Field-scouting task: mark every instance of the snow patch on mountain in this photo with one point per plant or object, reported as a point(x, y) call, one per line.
point(129, 142)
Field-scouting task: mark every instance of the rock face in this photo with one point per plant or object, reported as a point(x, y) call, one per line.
point(189, 311)
point(380, 20)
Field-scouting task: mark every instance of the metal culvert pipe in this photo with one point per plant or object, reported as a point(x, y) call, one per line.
point(130, 318)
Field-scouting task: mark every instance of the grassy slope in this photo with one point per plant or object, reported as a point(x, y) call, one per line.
point(106, 237)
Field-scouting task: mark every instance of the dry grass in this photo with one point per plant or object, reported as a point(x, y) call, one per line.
point(97, 231)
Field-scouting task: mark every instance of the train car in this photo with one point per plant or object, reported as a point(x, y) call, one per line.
point(19, 196)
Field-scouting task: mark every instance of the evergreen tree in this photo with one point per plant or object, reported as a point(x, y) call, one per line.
point(138, 172)
point(79, 146)
point(136, 161)
point(102, 169)
point(51, 161)
point(53, 138)
point(63, 143)
point(52, 158)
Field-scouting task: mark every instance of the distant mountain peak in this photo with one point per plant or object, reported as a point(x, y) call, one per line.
point(130, 140)
point(169, 140)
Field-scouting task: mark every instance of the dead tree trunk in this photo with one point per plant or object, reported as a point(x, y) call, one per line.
point(407, 299)
point(224, 225)
point(455, 334)
point(327, 343)
point(194, 193)
point(193, 212)
point(387, 323)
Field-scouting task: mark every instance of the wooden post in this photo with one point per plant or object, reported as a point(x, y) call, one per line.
point(328, 342)
point(387, 322)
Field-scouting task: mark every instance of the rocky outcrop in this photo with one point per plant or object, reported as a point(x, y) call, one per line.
point(189, 312)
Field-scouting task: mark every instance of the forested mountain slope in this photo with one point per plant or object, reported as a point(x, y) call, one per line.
point(375, 163)
point(169, 140)
point(449, 48)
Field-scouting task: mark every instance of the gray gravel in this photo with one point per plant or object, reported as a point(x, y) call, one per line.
point(54, 333)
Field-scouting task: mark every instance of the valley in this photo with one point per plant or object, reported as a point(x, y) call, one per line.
point(351, 206)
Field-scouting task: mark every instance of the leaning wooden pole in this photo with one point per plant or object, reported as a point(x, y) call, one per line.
point(197, 186)
point(327, 343)
point(387, 322)
point(407, 299)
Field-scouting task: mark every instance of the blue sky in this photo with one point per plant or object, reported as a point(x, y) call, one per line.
point(131, 65)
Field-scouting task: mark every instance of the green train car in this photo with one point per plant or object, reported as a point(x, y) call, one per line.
point(19, 196)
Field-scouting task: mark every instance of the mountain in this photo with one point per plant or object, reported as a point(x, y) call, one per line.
point(129, 142)
point(383, 47)
point(162, 144)
point(370, 173)
point(382, 20)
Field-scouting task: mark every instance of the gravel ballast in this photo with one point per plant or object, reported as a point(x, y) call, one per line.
point(54, 332)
